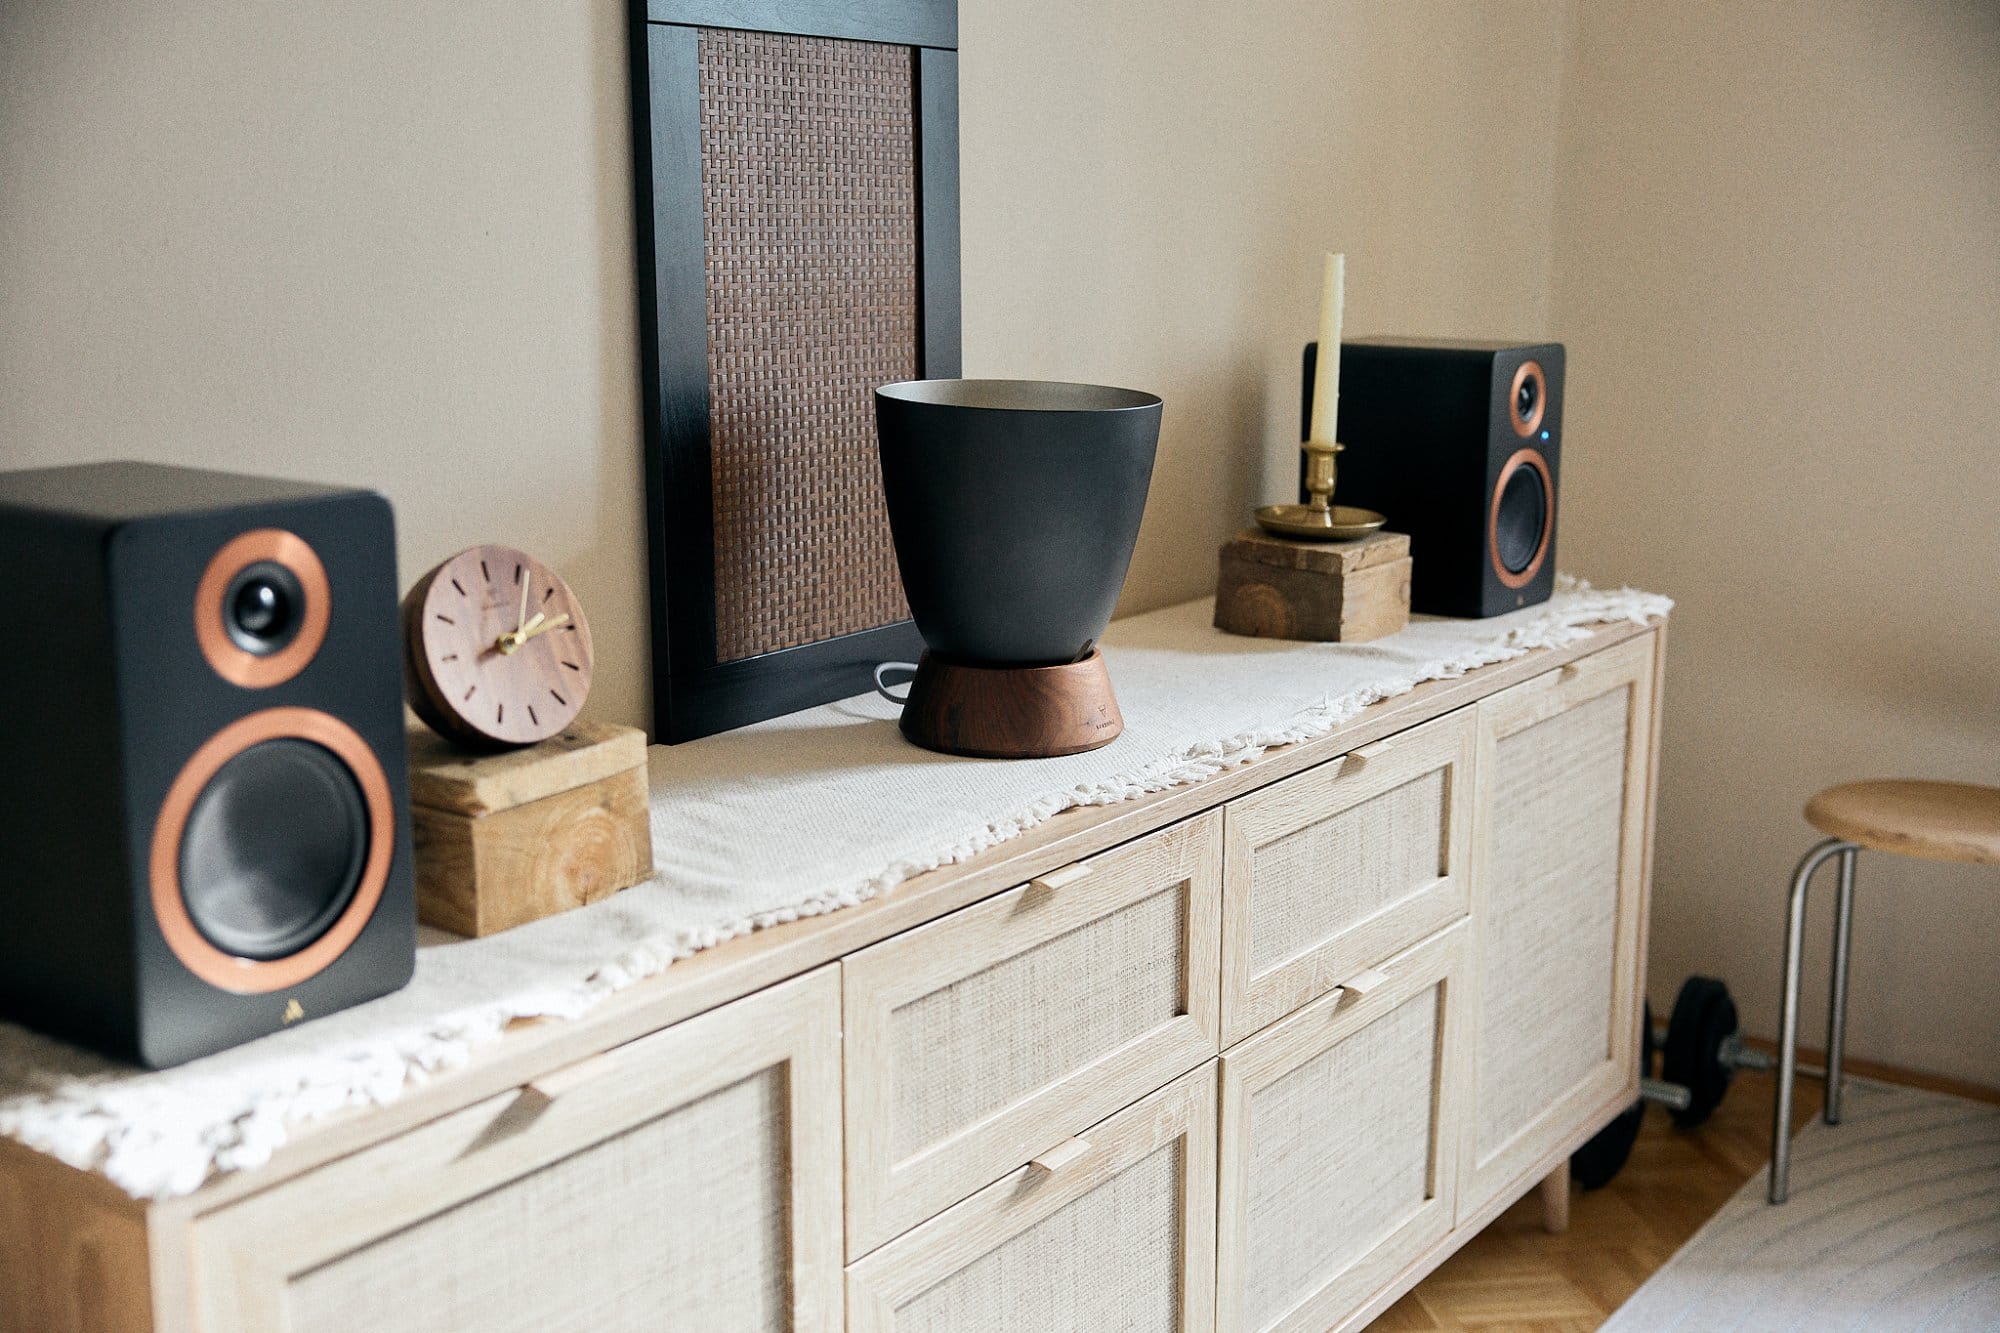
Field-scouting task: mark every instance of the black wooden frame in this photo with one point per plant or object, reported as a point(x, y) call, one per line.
point(693, 694)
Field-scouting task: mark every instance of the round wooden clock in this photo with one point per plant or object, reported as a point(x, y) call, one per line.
point(496, 651)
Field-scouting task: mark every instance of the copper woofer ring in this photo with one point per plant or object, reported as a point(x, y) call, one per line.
point(232, 662)
point(246, 976)
point(1520, 458)
point(1524, 426)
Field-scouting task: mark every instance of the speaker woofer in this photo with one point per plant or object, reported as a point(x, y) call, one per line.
point(1517, 524)
point(271, 850)
point(1522, 518)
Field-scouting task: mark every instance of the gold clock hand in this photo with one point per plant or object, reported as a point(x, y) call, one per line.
point(521, 620)
point(539, 626)
point(510, 641)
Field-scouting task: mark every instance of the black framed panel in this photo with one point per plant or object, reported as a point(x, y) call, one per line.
point(694, 693)
point(895, 22)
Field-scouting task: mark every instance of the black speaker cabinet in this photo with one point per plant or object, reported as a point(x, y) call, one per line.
point(203, 801)
point(1460, 444)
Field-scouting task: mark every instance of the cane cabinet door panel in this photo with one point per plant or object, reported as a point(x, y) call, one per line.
point(1559, 909)
point(1333, 870)
point(689, 1179)
point(1111, 1229)
point(1339, 1142)
point(977, 1040)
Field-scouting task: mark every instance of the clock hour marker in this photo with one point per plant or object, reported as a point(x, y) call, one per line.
point(484, 572)
point(532, 719)
point(446, 619)
point(517, 573)
point(460, 586)
point(500, 713)
point(469, 690)
point(548, 594)
point(449, 657)
point(572, 666)
point(559, 699)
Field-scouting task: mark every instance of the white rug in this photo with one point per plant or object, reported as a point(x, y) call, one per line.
point(794, 817)
point(1893, 1223)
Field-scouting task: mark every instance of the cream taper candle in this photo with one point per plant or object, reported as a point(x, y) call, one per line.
point(1326, 376)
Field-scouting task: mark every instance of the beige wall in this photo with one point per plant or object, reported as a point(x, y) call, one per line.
point(372, 242)
point(1150, 185)
point(391, 244)
point(1779, 277)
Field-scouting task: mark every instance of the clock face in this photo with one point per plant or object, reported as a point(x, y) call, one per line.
point(499, 652)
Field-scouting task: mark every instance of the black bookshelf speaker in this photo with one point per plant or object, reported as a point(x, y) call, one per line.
point(203, 800)
point(1460, 445)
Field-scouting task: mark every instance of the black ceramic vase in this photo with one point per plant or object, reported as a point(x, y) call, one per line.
point(1015, 505)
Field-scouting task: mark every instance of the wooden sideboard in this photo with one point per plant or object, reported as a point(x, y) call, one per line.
point(1256, 1053)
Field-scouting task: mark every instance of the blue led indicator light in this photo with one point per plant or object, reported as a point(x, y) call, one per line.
point(1545, 435)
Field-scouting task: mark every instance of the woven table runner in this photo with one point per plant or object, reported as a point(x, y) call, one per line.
point(793, 817)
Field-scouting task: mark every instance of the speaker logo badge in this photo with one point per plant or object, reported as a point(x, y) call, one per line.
point(294, 1011)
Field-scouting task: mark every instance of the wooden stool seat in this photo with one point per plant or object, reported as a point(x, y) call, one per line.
point(1939, 821)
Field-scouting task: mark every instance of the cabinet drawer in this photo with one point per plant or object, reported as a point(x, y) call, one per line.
point(1332, 871)
point(1564, 764)
point(978, 1040)
point(1339, 1136)
point(687, 1179)
point(1117, 1233)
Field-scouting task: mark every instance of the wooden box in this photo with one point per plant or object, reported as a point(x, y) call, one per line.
point(1333, 592)
point(505, 839)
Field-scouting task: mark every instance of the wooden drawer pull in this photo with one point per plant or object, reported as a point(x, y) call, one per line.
point(560, 1082)
point(1373, 750)
point(1064, 1154)
point(1063, 878)
point(1365, 982)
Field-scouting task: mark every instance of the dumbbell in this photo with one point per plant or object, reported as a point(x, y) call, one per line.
point(1701, 1049)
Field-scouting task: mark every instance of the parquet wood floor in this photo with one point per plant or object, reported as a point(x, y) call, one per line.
point(1515, 1278)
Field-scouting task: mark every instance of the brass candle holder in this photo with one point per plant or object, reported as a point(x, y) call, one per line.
point(1319, 519)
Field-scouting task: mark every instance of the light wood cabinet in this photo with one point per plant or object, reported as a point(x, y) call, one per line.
point(1558, 911)
point(977, 1041)
point(1339, 1143)
point(1259, 1051)
point(1336, 869)
point(1116, 1232)
point(687, 1180)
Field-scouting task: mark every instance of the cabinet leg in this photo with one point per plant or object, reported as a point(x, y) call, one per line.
point(1555, 1200)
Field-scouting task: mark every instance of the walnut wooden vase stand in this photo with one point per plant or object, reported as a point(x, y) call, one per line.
point(1004, 712)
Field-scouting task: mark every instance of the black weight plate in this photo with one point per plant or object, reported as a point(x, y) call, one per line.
point(1595, 1164)
point(1704, 1017)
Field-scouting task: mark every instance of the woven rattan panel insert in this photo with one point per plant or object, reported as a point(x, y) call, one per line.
point(809, 202)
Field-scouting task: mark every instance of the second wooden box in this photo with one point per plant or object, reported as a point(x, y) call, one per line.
point(505, 839)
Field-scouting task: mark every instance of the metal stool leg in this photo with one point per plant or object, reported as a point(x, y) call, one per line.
point(1836, 1010)
point(1788, 1016)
